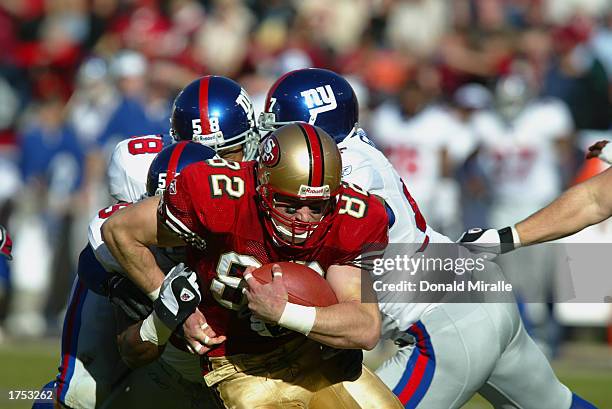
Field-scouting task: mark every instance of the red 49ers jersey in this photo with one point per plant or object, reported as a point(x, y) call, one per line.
point(213, 206)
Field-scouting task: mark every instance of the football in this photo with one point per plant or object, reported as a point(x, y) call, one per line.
point(304, 285)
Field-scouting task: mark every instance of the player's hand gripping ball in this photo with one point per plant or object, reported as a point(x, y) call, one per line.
point(303, 284)
point(271, 286)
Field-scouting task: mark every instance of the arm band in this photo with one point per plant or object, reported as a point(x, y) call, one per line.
point(154, 295)
point(154, 330)
point(516, 238)
point(298, 318)
point(509, 239)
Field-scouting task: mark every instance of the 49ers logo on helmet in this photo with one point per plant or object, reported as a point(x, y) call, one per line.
point(270, 152)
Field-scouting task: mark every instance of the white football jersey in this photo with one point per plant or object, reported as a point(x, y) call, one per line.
point(129, 166)
point(519, 157)
point(98, 246)
point(103, 254)
point(366, 167)
point(127, 176)
point(414, 145)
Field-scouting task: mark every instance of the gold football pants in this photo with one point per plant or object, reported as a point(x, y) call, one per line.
point(368, 392)
point(290, 377)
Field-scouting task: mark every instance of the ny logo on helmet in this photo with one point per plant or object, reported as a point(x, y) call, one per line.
point(245, 103)
point(318, 100)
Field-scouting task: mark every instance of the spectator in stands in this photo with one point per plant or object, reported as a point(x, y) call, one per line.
point(52, 167)
point(577, 77)
point(133, 115)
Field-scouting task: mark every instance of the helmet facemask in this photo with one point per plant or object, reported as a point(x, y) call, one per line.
point(267, 122)
point(249, 141)
point(288, 230)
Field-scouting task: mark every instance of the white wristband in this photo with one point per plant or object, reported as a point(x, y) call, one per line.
point(516, 238)
point(154, 330)
point(606, 153)
point(154, 295)
point(298, 318)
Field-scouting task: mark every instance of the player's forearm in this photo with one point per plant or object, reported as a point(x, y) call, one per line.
point(349, 325)
point(127, 234)
point(137, 260)
point(583, 205)
point(133, 350)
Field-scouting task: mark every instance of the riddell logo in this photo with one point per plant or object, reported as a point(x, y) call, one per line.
point(318, 100)
point(270, 152)
point(213, 139)
point(311, 191)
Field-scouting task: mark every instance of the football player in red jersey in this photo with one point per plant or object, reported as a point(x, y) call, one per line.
point(291, 205)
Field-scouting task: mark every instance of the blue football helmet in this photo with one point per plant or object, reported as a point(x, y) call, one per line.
point(216, 112)
point(315, 96)
point(171, 161)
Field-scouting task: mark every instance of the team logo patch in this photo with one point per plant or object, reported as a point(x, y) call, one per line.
point(312, 191)
point(186, 295)
point(319, 100)
point(270, 152)
point(172, 187)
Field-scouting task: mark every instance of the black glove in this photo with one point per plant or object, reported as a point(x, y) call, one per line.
point(490, 243)
point(124, 294)
point(179, 296)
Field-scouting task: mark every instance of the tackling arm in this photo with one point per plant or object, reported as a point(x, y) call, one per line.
point(583, 205)
point(128, 234)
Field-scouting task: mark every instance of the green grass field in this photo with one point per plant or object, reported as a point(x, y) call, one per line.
point(586, 368)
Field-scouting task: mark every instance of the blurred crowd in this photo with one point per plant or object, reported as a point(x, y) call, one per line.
point(483, 106)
